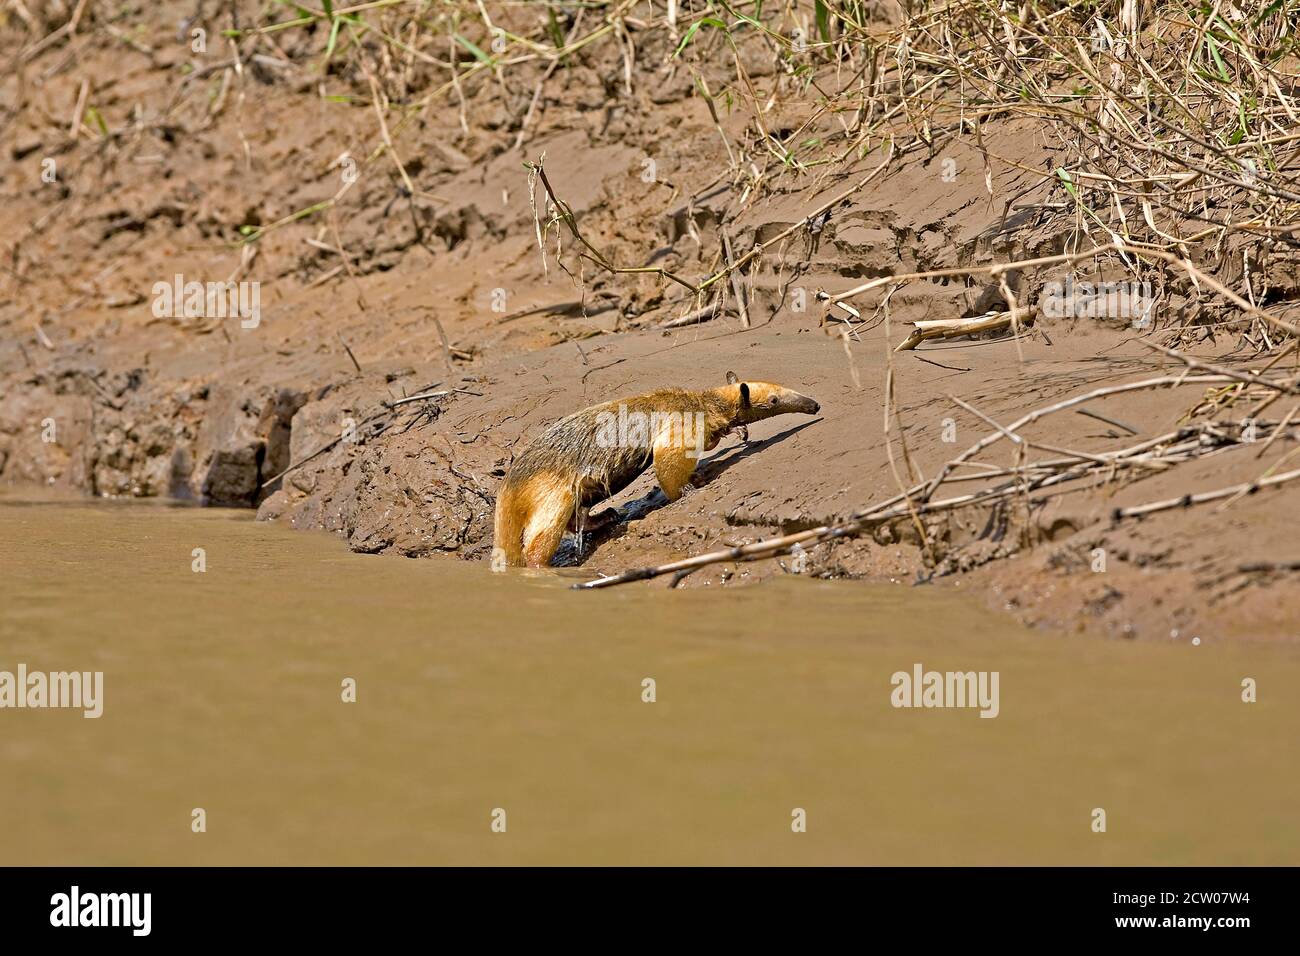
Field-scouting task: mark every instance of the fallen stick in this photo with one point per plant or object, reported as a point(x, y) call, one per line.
point(419, 398)
point(1109, 421)
point(1220, 370)
point(765, 548)
point(692, 318)
point(446, 348)
point(577, 307)
point(1248, 487)
point(954, 328)
point(1024, 441)
point(737, 287)
point(347, 348)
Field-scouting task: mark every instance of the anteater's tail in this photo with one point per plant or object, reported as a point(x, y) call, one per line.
point(508, 529)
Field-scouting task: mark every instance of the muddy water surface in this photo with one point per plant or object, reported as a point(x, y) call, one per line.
point(477, 691)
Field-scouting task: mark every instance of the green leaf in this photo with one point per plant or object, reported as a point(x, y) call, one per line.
point(99, 120)
point(695, 28)
point(553, 28)
point(334, 37)
point(469, 45)
point(1065, 178)
point(1268, 11)
point(1218, 60)
point(1228, 31)
point(823, 20)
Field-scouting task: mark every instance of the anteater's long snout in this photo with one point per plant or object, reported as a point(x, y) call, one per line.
point(806, 405)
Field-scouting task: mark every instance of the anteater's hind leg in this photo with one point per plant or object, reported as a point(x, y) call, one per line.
point(546, 527)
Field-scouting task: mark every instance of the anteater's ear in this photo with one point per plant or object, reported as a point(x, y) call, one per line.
point(744, 396)
point(731, 378)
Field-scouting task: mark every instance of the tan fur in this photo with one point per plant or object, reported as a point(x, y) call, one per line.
point(550, 487)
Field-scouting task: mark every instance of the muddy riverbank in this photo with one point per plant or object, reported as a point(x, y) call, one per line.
point(417, 272)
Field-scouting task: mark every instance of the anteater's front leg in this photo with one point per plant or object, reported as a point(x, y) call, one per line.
point(673, 468)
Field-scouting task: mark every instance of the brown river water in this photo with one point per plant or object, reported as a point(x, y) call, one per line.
point(479, 692)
